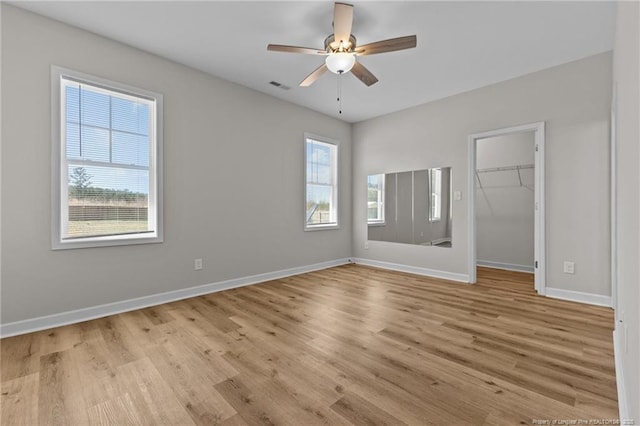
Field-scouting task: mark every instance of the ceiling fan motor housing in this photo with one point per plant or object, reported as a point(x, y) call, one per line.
point(331, 45)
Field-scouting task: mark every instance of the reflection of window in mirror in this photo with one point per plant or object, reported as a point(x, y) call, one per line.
point(435, 186)
point(375, 199)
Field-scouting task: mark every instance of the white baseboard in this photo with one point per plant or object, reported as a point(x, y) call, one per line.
point(79, 315)
point(623, 407)
point(577, 296)
point(414, 270)
point(507, 266)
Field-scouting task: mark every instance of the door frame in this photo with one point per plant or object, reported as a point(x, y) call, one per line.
point(614, 201)
point(539, 205)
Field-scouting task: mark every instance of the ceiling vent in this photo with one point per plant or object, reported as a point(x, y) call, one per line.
point(279, 85)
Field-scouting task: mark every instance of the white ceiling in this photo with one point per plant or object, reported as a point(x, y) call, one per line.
point(461, 45)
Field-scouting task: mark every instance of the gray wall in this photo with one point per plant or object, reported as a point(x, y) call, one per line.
point(504, 207)
point(574, 99)
point(626, 72)
point(0, 153)
point(233, 186)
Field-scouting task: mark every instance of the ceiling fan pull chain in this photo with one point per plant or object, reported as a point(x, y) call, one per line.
point(340, 93)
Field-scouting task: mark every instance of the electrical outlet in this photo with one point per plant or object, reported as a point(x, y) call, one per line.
point(197, 264)
point(569, 267)
point(366, 245)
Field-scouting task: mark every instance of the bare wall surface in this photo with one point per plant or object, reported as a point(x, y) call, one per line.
point(573, 99)
point(233, 180)
point(505, 200)
point(626, 76)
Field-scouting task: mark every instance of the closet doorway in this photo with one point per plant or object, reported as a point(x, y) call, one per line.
point(506, 201)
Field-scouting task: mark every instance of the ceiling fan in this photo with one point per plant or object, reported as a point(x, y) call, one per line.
point(341, 50)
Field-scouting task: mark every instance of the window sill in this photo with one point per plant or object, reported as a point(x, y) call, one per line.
point(321, 227)
point(108, 241)
point(376, 224)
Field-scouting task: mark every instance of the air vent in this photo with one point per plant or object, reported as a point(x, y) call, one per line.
point(279, 85)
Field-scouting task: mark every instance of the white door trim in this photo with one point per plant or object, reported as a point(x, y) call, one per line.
point(539, 197)
point(614, 204)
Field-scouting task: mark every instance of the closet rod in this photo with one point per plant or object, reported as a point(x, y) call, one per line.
point(504, 169)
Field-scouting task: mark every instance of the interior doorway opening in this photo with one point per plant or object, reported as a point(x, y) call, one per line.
point(506, 201)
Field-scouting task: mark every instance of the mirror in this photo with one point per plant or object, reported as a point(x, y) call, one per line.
point(411, 207)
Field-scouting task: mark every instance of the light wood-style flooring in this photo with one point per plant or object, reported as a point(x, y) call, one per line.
point(347, 345)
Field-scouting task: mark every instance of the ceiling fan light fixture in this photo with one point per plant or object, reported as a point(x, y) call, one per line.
point(340, 62)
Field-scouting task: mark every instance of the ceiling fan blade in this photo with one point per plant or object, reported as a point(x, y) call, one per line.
point(363, 74)
point(342, 22)
point(316, 74)
point(295, 49)
point(389, 45)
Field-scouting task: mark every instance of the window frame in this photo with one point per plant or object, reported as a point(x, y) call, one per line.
point(381, 221)
point(335, 186)
point(59, 181)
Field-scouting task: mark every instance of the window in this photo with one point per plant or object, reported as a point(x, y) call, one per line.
point(375, 199)
point(107, 162)
point(435, 185)
point(321, 183)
